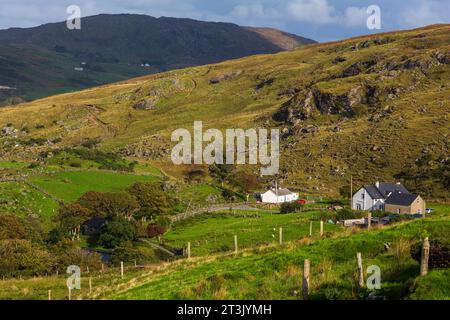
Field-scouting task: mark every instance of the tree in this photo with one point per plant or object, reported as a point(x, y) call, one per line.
point(18, 256)
point(117, 231)
point(247, 182)
point(221, 172)
point(152, 199)
point(120, 204)
point(110, 204)
point(70, 218)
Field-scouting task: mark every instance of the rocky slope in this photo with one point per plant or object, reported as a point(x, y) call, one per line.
point(373, 107)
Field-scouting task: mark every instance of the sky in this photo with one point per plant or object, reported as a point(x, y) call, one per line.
point(321, 20)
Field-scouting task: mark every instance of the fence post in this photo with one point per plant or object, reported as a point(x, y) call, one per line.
point(70, 293)
point(102, 268)
point(305, 280)
point(425, 257)
point(135, 263)
point(189, 250)
point(369, 220)
point(310, 229)
point(360, 270)
point(121, 269)
point(49, 294)
point(90, 285)
point(321, 228)
point(281, 236)
point(235, 245)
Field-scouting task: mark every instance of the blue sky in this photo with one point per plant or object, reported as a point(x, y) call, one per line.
point(322, 20)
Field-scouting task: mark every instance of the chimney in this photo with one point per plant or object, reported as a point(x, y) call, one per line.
point(377, 184)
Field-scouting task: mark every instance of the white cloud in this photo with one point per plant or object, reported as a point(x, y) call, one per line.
point(355, 17)
point(423, 12)
point(313, 11)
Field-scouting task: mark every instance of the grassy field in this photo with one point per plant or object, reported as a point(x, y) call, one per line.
point(269, 271)
point(21, 199)
point(69, 186)
point(214, 232)
point(275, 273)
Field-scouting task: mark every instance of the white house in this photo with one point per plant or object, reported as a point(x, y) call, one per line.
point(278, 195)
point(373, 197)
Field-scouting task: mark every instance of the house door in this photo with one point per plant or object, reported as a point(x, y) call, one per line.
point(358, 206)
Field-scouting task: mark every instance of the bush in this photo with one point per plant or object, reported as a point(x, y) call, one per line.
point(14, 227)
point(439, 254)
point(290, 207)
point(21, 257)
point(66, 253)
point(116, 232)
point(129, 253)
point(154, 230)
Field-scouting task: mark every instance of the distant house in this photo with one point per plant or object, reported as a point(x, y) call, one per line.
point(78, 69)
point(93, 226)
point(390, 197)
point(403, 203)
point(278, 195)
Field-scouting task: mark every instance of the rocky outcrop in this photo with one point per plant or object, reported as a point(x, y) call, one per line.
point(146, 104)
point(305, 104)
point(226, 76)
point(360, 66)
point(442, 57)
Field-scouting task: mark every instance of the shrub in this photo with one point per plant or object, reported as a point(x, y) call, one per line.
point(66, 253)
point(439, 253)
point(129, 253)
point(116, 232)
point(290, 207)
point(21, 257)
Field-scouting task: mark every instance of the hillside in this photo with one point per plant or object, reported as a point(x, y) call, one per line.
point(40, 61)
point(374, 107)
point(263, 269)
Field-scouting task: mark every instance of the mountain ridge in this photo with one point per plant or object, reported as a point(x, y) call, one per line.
point(48, 59)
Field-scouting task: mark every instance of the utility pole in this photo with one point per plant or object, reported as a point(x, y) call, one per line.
point(351, 191)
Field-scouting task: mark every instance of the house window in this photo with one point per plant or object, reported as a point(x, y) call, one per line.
point(358, 206)
point(363, 195)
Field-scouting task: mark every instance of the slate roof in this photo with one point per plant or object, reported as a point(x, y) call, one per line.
point(385, 189)
point(373, 192)
point(282, 192)
point(401, 199)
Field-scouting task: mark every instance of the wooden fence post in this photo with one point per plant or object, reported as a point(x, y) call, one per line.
point(135, 263)
point(49, 294)
point(281, 236)
point(425, 257)
point(189, 250)
point(90, 285)
point(369, 220)
point(321, 228)
point(235, 245)
point(102, 268)
point(70, 293)
point(360, 270)
point(305, 280)
point(310, 229)
point(87, 269)
point(121, 269)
